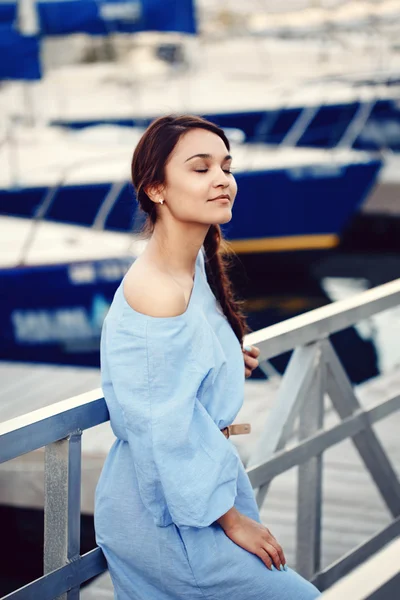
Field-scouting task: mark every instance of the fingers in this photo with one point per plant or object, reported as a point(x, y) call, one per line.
point(279, 549)
point(280, 552)
point(252, 351)
point(270, 558)
point(250, 359)
point(263, 554)
point(251, 363)
point(273, 554)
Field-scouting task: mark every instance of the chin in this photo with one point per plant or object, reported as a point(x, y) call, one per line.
point(224, 217)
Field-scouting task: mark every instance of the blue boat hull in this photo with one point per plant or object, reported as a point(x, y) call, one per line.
point(23, 55)
point(325, 130)
point(100, 18)
point(59, 320)
point(54, 313)
point(276, 214)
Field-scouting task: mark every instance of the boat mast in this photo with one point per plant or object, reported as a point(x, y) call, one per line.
point(28, 25)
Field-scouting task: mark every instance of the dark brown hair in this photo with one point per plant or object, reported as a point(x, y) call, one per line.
point(148, 169)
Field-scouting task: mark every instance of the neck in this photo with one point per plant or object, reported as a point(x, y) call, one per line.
point(176, 247)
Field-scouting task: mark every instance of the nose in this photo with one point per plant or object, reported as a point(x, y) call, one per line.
point(222, 180)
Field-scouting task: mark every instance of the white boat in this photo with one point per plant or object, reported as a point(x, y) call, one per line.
point(81, 178)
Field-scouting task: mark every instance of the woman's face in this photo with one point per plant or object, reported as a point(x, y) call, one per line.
point(199, 187)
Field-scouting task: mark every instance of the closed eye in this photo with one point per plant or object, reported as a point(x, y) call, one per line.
point(228, 171)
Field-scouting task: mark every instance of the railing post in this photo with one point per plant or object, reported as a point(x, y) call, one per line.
point(62, 505)
point(367, 443)
point(309, 489)
point(293, 392)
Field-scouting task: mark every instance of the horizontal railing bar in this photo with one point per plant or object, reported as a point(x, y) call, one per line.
point(286, 459)
point(50, 424)
point(324, 579)
point(376, 579)
point(92, 564)
point(52, 410)
point(383, 409)
point(322, 322)
point(61, 580)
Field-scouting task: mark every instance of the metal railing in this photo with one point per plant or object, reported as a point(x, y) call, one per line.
point(59, 429)
point(313, 370)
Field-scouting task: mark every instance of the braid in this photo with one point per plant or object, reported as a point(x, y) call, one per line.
point(220, 283)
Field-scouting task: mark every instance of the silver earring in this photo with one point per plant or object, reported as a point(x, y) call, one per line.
point(161, 201)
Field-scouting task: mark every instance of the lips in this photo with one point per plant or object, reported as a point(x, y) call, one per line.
point(222, 197)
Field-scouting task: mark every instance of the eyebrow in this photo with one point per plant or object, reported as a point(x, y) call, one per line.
point(227, 157)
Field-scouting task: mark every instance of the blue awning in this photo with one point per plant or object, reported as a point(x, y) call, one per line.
point(62, 17)
point(20, 55)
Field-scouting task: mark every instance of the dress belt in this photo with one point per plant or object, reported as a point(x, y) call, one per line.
point(236, 429)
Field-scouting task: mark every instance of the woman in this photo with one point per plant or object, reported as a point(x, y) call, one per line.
point(175, 513)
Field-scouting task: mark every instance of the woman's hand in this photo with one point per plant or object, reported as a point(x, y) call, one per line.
point(253, 537)
point(250, 359)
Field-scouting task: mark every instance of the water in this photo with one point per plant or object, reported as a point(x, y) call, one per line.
point(285, 286)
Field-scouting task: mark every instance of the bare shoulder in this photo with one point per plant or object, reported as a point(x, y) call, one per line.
point(151, 292)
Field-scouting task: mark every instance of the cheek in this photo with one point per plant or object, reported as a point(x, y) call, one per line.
point(233, 188)
point(187, 186)
point(185, 194)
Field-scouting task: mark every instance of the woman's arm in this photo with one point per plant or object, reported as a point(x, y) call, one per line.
point(186, 469)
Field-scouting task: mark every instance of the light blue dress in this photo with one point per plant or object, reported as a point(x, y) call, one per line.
point(171, 384)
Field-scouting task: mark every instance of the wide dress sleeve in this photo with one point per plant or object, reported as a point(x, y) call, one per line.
point(186, 469)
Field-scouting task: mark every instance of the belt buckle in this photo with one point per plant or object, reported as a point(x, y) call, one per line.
point(226, 432)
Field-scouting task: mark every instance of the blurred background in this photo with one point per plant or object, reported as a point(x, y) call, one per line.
point(308, 92)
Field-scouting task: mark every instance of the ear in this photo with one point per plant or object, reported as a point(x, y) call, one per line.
point(155, 192)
